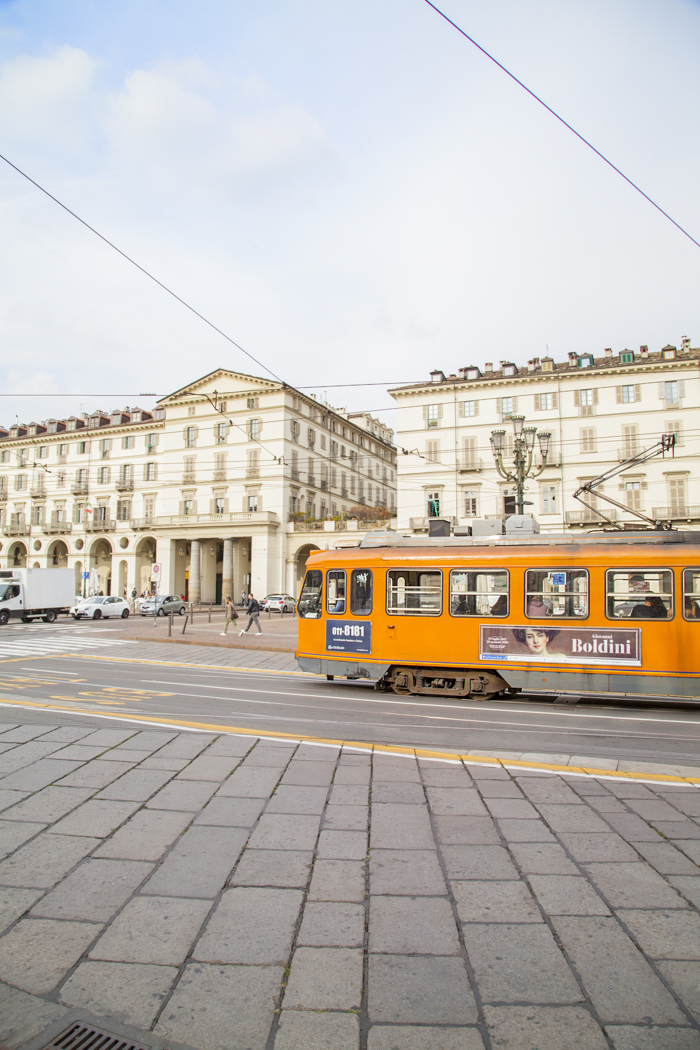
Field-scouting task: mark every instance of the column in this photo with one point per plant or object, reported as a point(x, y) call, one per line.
point(292, 575)
point(227, 572)
point(195, 588)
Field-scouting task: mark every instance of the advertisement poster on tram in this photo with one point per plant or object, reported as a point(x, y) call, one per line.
point(613, 647)
point(348, 636)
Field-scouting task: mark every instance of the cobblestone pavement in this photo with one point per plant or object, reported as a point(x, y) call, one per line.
point(234, 893)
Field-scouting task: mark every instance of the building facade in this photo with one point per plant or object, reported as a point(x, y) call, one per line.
point(599, 411)
point(220, 484)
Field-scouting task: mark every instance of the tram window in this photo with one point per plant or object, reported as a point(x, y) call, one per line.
point(335, 591)
point(691, 594)
point(361, 592)
point(413, 593)
point(479, 592)
point(554, 593)
point(309, 605)
point(639, 594)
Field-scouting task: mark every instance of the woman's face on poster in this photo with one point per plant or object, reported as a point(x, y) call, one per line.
point(535, 640)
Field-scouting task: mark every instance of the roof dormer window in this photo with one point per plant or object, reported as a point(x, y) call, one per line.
point(668, 353)
point(437, 376)
point(627, 357)
point(509, 369)
point(585, 361)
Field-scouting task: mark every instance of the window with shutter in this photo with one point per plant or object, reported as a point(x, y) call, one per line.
point(432, 451)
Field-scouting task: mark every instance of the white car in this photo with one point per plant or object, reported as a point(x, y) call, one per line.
point(99, 606)
point(279, 603)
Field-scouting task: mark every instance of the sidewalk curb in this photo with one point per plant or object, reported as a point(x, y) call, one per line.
point(211, 644)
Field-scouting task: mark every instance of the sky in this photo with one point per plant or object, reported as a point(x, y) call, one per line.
point(350, 190)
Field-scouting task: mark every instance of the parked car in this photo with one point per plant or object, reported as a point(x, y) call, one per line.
point(163, 605)
point(279, 603)
point(99, 606)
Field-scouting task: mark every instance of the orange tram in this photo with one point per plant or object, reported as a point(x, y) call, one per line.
point(478, 618)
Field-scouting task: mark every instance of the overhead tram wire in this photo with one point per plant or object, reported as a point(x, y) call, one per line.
point(562, 121)
point(142, 269)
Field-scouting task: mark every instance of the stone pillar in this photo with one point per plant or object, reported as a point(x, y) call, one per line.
point(292, 576)
point(195, 588)
point(227, 571)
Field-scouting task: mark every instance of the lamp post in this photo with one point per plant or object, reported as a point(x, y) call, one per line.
point(523, 448)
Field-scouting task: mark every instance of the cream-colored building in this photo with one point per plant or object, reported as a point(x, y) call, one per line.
point(599, 412)
point(209, 485)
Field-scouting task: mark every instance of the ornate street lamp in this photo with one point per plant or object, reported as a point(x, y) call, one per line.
point(523, 449)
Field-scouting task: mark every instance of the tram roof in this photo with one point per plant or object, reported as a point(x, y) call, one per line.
point(389, 538)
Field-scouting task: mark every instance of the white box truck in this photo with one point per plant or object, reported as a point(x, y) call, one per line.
point(32, 593)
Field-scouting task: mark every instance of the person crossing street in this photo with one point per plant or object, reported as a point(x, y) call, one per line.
point(231, 614)
point(253, 611)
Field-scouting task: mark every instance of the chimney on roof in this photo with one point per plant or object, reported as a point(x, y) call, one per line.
point(644, 352)
point(535, 363)
point(608, 351)
point(685, 344)
point(488, 367)
point(502, 363)
point(573, 357)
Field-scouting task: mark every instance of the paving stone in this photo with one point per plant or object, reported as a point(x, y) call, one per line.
point(279, 831)
point(412, 925)
point(199, 863)
point(552, 790)
point(10, 799)
point(96, 890)
point(348, 794)
point(478, 862)
point(19, 758)
point(45, 860)
point(414, 989)
point(619, 982)
point(325, 979)
point(410, 1037)
point(309, 774)
point(306, 1030)
point(146, 836)
point(674, 829)
point(137, 785)
point(627, 1037)
point(346, 818)
point(577, 818)
point(150, 740)
point(629, 789)
point(95, 818)
point(444, 776)
point(632, 827)
point(500, 789)
point(288, 798)
point(457, 831)
point(187, 745)
point(222, 1007)
point(131, 994)
point(349, 757)
point(229, 746)
point(332, 925)
point(342, 845)
point(538, 1028)
point(250, 783)
point(606, 804)
point(172, 764)
point(542, 858)
point(251, 925)
point(37, 953)
point(690, 848)
point(485, 771)
point(269, 756)
point(157, 930)
point(231, 812)
point(25, 1016)
point(66, 734)
point(338, 880)
point(401, 827)
point(684, 978)
point(399, 792)
point(317, 752)
point(78, 752)
point(124, 754)
point(512, 809)
point(209, 767)
point(665, 934)
point(567, 895)
point(413, 872)
point(450, 801)
point(519, 964)
point(14, 833)
point(585, 786)
point(689, 886)
point(389, 769)
point(39, 775)
point(686, 801)
point(634, 886)
point(352, 775)
point(96, 774)
point(14, 903)
point(655, 809)
point(20, 733)
point(587, 848)
point(525, 830)
point(47, 805)
point(185, 795)
point(269, 867)
point(666, 858)
point(493, 901)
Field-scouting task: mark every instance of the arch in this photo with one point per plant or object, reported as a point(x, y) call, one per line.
point(100, 559)
point(301, 556)
point(36, 565)
point(17, 555)
point(145, 555)
point(57, 555)
point(122, 581)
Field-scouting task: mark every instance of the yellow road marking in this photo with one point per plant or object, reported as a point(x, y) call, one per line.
point(380, 749)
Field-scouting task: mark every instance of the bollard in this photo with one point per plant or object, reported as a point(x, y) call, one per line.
point(210, 614)
point(185, 623)
point(170, 625)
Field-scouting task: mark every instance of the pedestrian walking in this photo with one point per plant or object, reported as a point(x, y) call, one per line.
point(253, 610)
point(242, 597)
point(231, 614)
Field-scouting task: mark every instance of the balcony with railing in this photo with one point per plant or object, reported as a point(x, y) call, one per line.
point(676, 512)
point(3, 494)
point(252, 471)
point(140, 524)
point(100, 525)
point(79, 488)
point(469, 461)
point(252, 517)
point(38, 492)
point(590, 517)
point(188, 477)
point(125, 484)
point(628, 452)
point(220, 474)
point(324, 485)
point(56, 527)
point(17, 526)
point(311, 480)
point(295, 473)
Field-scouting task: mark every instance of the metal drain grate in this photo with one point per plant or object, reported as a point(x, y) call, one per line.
point(82, 1036)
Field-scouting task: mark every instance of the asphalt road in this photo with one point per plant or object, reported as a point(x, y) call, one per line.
point(297, 704)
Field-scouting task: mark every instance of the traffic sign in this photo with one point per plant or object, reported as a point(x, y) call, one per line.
point(85, 576)
point(155, 571)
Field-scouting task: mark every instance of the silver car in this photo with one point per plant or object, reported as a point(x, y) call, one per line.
point(163, 605)
point(279, 603)
point(99, 606)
